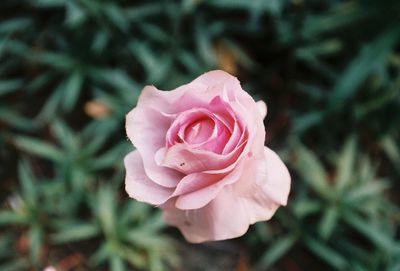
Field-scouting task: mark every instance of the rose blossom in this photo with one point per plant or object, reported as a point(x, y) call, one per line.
point(200, 156)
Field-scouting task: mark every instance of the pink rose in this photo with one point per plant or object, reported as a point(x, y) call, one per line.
point(200, 156)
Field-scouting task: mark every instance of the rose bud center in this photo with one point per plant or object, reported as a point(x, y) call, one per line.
point(199, 131)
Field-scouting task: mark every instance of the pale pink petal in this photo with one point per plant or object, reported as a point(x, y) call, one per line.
point(173, 101)
point(198, 189)
point(259, 205)
point(235, 206)
point(179, 131)
point(217, 143)
point(151, 97)
point(262, 108)
point(277, 184)
point(223, 218)
point(268, 189)
point(183, 158)
point(219, 78)
point(139, 186)
point(206, 87)
point(224, 113)
point(254, 126)
point(146, 128)
point(190, 98)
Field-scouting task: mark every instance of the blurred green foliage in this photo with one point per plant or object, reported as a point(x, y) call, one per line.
point(71, 69)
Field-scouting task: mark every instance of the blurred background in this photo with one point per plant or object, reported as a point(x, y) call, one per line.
point(71, 69)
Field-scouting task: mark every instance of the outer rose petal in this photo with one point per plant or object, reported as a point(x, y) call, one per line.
point(262, 108)
point(270, 190)
point(255, 197)
point(217, 78)
point(187, 160)
point(146, 128)
point(278, 178)
point(197, 190)
point(221, 219)
point(139, 186)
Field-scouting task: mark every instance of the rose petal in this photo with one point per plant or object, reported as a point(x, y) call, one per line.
point(198, 189)
point(218, 78)
point(178, 129)
point(221, 219)
point(139, 186)
point(201, 189)
point(146, 128)
point(262, 108)
point(268, 190)
point(236, 206)
point(173, 101)
point(183, 158)
point(277, 184)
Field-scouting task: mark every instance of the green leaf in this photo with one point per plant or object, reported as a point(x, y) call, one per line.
point(155, 32)
point(11, 218)
point(27, 182)
point(303, 208)
point(327, 254)
point(64, 135)
point(14, 119)
point(100, 41)
point(112, 157)
point(371, 232)
point(118, 79)
point(7, 86)
point(204, 46)
point(39, 82)
point(312, 171)
point(49, 110)
point(75, 233)
point(326, 47)
point(35, 243)
point(116, 263)
point(71, 90)
point(361, 66)
point(395, 266)
point(340, 16)
point(365, 191)
point(306, 121)
point(15, 24)
point(39, 148)
point(48, 3)
point(277, 250)
point(105, 210)
point(16, 265)
point(140, 13)
point(74, 15)
point(273, 7)
point(135, 257)
point(150, 61)
point(101, 255)
point(116, 16)
point(346, 163)
point(148, 241)
point(153, 223)
point(6, 242)
point(328, 222)
point(392, 150)
point(61, 62)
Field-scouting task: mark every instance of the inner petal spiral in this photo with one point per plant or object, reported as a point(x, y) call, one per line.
point(199, 131)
